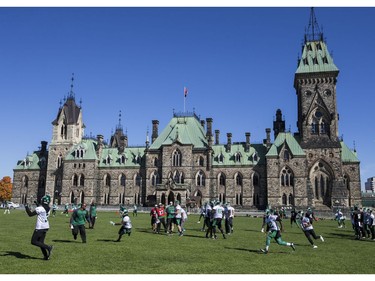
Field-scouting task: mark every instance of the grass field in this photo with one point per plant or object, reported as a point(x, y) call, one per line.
point(147, 253)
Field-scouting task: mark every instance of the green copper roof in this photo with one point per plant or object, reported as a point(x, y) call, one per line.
point(130, 153)
point(32, 162)
point(290, 141)
point(315, 58)
point(254, 156)
point(185, 130)
point(348, 155)
point(89, 150)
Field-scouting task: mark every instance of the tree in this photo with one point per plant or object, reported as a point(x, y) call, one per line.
point(6, 188)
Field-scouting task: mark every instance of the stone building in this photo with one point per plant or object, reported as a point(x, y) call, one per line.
point(185, 161)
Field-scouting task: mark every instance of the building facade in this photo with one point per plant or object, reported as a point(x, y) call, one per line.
point(370, 185)
point(185, 161)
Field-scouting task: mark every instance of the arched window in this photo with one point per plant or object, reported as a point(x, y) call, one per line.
point(122, 180)
point(122, 159)
point(284, 199)
point(255, 179)
point(155, 162)
point(200, 179)
point(138, 180)
point(255, 157)
point(75, 180)
point(238, 179)
point(107, 180)
point(286, 177)
point(82, 180)
point(222, 179)
point(154, 178)
point(59, 160)
point(319, 124)
point(201, 161)
point(291, 199)
point(176, 158)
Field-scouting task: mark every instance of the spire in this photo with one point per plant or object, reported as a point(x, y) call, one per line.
point(313, 32)
point(119, 126)
point(71, 93)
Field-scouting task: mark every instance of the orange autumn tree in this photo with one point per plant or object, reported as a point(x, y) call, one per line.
point(6, 188)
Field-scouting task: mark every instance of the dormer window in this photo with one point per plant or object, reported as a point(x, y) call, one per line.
point(255, 157)
point(237, 157)
point(123, 159)
point(221, 158)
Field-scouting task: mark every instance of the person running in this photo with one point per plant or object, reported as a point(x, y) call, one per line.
point(126, 226)
point(308, 229)
point(92, 214)
point(161, 216)
point(78, 220)
point(311, 215)
point(184, 218)
point(293, 217)
point(41, 226)
point(54, 208)
point(66, 209)
point(218, 213)
point(340, 218)
point(202, 211)
point(274, 232)
point(209, 219)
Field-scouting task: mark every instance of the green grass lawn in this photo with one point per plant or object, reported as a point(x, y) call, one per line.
point(147, 253)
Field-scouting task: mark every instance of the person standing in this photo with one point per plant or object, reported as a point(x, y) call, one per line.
point(54, 208)
point(184, 218)
point(372, 225)
point(161, 216)
point(78, 220)
point(293, 217)
point(170, 217)
point(41, 226)
point(154, 219)
point(126, 226)
point(229, 216)
point(178, 217)
point(135, 210)
point(92, 214)
point(274, 231)
point(308, 230)
point(7, 208)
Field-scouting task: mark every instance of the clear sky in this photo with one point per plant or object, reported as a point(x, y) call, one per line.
point(237, 63)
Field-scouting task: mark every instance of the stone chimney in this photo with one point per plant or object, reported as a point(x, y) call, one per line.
point(217, 136)
point(247, 145)
point(229, 142)
point(268, 137)
point(43, 149)
point(99, 148)
point(155, 130)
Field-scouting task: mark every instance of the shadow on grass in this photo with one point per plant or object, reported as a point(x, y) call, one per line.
point(18, 255)
point(106, 240)
point(257, 251)
point(64, 241)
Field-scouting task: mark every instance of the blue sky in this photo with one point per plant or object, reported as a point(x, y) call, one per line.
point(238, 64)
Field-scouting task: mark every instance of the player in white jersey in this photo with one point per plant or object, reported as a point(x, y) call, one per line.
point(126, 225)
point(218, 214)
point(274, 231)
point(42, 226)
point(308, 229)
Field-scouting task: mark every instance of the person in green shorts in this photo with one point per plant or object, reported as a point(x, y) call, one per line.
point(170, 217)
point(78, 220)
point(274, 231)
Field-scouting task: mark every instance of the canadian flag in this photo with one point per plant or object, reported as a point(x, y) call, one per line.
point(185, 91)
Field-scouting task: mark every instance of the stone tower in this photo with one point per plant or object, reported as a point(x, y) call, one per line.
point(68, 130)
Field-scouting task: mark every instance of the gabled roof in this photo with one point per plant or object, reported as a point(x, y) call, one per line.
point(348, 155)
point(247, 158)
point(288, 139)
point(187, 130)
point(316, 58)
point(70, 110)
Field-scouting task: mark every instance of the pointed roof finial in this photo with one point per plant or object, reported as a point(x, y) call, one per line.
point(119, 126)
point(313, 32)
point(71, 93)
